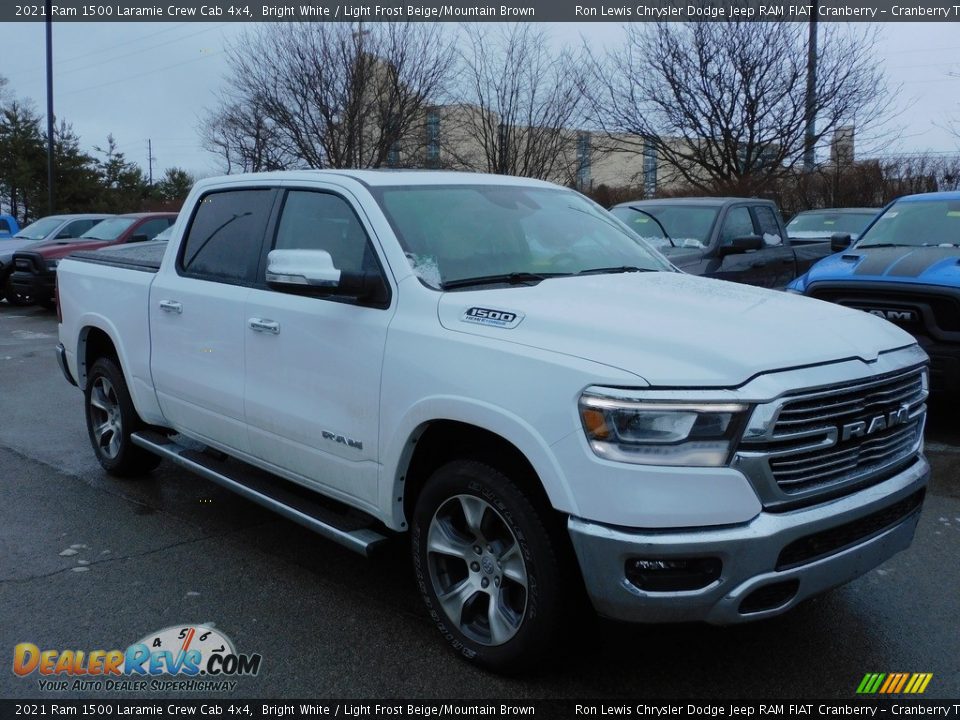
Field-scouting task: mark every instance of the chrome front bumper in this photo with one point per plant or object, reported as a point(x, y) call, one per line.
point(749, 554)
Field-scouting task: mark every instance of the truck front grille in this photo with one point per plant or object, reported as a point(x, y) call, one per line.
point(928, 310)
point(841, 438)
point(804, 471)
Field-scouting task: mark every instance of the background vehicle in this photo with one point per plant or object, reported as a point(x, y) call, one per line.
point(53, 227)
point(495, 367)
point(906, 269)
point(35, 270)
point(738, 239)
point(8, 226)
point(820, 225)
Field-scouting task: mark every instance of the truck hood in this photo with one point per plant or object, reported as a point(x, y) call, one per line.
point(672, 329)
point(9, 246)
point(54, 249)
point(683, 256)
point(917, 265)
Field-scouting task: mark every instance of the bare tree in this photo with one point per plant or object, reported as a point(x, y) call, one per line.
point(868, 183)
point(328, 94)
point(245, 139)
point(723, 103)
point(516, 105)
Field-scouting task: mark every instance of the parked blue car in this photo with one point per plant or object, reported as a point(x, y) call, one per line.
point(8, 226)
point(904, 268)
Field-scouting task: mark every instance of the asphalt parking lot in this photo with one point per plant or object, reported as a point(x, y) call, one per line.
point(174, 548)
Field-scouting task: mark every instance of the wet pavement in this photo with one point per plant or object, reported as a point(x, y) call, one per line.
point(91, 562)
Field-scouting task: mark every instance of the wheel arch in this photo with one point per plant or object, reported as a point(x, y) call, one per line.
point(97, 338)
point(467, 429)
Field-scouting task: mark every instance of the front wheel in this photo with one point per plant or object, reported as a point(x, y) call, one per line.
point(486, 567)
point(111, 419)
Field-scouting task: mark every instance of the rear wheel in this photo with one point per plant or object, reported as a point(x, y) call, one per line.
point(111, 419)
point(485, 567)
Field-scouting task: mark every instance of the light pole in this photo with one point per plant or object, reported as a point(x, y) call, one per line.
point(49, 27)
point(810, 116)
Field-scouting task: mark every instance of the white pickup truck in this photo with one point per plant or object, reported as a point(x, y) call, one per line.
point(501, 370)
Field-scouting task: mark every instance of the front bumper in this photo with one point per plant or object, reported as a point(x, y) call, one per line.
point(751, 554)
point(39, 286)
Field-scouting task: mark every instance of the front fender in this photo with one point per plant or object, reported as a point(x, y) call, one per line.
point(399, 448)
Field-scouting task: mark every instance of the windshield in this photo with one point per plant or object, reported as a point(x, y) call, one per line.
point(824, 224)
point(685, 226)
point(916, 223)
point(40, 229)
point(108, 229)
point(457, 233)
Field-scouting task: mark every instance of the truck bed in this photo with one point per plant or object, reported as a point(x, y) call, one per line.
point(144, 256)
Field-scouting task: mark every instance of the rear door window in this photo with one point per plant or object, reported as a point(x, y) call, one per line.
point(225, 237)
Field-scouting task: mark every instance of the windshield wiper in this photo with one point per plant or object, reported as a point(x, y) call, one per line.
point(659, 224)
point(516, 278)
point(859, 247)
point(612, 270)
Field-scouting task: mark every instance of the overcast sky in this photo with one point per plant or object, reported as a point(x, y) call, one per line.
point(154, 80)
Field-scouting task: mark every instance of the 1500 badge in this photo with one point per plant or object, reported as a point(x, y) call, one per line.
point(489, 316)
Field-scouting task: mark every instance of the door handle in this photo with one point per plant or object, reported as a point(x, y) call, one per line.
point(171, 306)
point(759, 264)
point(267, 326)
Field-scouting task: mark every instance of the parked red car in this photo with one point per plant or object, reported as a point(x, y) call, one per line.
point(35, 271)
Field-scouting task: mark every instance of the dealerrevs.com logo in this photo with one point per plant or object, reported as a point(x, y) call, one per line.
point(179, 658)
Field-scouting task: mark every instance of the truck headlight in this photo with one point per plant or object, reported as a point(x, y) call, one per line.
point(52, 264)
point(661, 433)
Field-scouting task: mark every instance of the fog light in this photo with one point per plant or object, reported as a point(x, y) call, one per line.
point(673, 574)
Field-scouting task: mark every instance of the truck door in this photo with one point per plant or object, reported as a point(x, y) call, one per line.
point(313, 362)
point(741, 267)
point(779, 264)
point(197, 316)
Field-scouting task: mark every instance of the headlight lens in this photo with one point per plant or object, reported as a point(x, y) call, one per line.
point(661, 433)
point(52, 264)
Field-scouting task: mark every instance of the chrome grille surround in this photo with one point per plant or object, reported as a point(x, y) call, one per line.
point(827, 441)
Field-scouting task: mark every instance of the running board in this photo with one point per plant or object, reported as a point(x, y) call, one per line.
point(325, 517)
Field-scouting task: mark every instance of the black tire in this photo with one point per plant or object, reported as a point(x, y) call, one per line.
point(533, 614)
point(111, 419)
point(13, 297)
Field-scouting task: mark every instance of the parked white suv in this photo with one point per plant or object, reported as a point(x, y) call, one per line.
point(500, 369)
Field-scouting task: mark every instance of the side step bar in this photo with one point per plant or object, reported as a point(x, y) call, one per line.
point(343, 526)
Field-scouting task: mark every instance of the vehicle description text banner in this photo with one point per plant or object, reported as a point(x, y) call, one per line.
point(474, 10)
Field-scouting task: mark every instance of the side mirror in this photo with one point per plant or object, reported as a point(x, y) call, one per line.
point(301, 269)
point(312, 272)
point(741, 245)
point(840, 241)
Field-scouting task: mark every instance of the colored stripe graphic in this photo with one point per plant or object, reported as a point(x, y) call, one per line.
point(894, 683)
